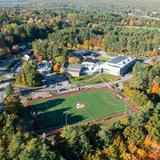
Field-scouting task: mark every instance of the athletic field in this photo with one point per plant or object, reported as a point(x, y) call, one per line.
point(50, 114)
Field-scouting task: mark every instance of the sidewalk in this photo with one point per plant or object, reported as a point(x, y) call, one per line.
point(2, 87)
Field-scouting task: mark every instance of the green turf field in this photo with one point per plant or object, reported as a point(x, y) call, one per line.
point(50, 113)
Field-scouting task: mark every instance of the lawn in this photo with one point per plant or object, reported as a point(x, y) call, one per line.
point(50, 113)
point(93, 79)
point(108, 123)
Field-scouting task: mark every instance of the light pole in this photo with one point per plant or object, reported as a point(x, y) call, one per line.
point(125, 110)
point(66, 114)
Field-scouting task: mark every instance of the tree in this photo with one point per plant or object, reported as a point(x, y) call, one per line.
point(3, 52)
point(73, 60)
point(12, 104)
point(56, 68)
point(86, 44)
point(36, 149)
point(134, 135)
point(29, 75)
point(1, 79)
point(60, 59)
point(96, 156)
point(153, 126)
point(154, 53)
point(113, 152)
point(76, 145)
point(9, 90)
point(156, 87)
point(140, 76)
point(15, 146)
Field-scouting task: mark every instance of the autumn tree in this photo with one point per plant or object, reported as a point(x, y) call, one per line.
point(156, 87)
point(12, 104)
point(60, 60)
point(9, 90)
point(73, 60)
point(134, 135)
point(56, 68)
point(29, 75)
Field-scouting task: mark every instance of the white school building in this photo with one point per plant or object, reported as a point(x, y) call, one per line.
point(118, 66)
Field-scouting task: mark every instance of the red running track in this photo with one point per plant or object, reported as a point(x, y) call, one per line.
point(55, 131)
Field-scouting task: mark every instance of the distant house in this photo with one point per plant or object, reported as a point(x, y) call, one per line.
point(44, 67)
point(75, 70)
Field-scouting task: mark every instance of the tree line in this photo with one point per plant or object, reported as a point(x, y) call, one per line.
point(133, 137)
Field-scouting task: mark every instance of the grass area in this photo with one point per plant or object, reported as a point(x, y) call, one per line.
point(104, 59)
point(108, 123)
point(93, 79)
point(2, 79)
point(50, 114)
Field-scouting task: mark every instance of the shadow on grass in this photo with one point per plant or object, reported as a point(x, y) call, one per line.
point(48, 117)
point(46, 105)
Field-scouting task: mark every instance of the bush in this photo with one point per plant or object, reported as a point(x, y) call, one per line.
point(1, 79)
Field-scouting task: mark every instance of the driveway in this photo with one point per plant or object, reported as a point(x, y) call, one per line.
point(2, 87)
point(124, 79)
point(52, 79)
point(8, 76)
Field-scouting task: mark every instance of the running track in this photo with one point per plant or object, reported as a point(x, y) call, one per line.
point(55, 131)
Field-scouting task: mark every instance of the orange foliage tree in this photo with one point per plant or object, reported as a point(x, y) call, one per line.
point(56, 68)
point(155, 87)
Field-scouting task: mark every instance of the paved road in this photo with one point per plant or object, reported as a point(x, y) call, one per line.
point(124, 79)
point(6, 62)
point(8, 76)
point(2, 87)
point(63, 87)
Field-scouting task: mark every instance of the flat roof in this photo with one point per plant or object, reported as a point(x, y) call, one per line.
point(82, 52)
point(92, 60)
point(118, 59)
point(75, 67)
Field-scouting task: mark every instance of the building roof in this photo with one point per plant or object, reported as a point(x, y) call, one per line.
point(120, 61)
point(44, 66)
point(81, 52)
point(75, 67)
point(91, 60)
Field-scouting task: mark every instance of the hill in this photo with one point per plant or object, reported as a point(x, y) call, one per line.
point(143, 4)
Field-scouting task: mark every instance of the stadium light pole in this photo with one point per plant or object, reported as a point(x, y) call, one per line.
point(125, 110)
point(66, 114)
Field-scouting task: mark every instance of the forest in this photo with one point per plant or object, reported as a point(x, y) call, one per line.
point(133, 137)
point(53, 33)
